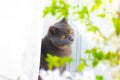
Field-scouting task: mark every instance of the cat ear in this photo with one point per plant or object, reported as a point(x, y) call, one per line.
point(52, 30)
point(64, 20)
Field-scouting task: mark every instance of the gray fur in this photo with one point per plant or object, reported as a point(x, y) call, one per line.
point(53, 44)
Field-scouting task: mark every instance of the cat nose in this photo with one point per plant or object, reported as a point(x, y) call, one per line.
point(71, 39)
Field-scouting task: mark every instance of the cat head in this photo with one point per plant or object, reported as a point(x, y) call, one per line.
point(61, 34)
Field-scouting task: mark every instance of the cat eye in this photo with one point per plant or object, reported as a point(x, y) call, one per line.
point(63, 36)
point(71, 32)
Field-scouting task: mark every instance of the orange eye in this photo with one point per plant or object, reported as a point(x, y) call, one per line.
point(63, 36)
point(70, 32)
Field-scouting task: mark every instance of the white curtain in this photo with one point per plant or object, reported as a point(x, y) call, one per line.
point(20, 39)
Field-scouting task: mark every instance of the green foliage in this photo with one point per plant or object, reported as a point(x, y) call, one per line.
point(91, 28)
point(84, 16)
point(99, 55)
point(95, 62)
point(82, 65)
point(110, 1)
point(96, 54)
point(55, 61)
point(99, 77)
point(58, 7)
point(83, 13)
point(116, 22)
point(97, 4)
point(102, 15)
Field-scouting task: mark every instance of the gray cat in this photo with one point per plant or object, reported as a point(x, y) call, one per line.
point(57, 42)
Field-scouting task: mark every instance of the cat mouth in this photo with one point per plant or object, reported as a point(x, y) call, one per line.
point(70, 42)
point(63, 47)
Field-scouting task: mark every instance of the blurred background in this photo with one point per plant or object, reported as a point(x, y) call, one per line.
point(96, 25)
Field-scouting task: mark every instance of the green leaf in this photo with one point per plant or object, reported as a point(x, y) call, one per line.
point(75, 7)
point(81, 67)
point(95, 63)
point(99, 77)
point(96, 5)
point(110, 1)
point(111, 55)
point(57, 8)
point(115, 62)
point(102, 15)
point(45, 11)
point(88, 51)
point(98, 55)
point(116, 22)
point(69, 60)
point(92, 28)
point(83, 13)
point(59, 16)
point(55, 61)
point(83, 60)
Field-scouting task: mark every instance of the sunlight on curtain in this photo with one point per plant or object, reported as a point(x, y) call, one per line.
point(20, 39)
